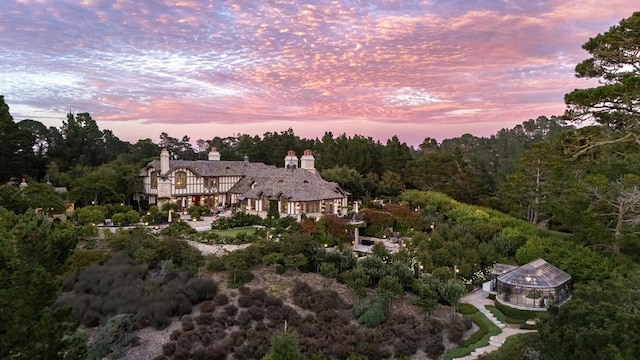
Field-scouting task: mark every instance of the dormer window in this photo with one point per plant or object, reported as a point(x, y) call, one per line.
point(181, 180)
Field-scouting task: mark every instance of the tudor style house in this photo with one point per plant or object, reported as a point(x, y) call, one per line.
point(294, 189)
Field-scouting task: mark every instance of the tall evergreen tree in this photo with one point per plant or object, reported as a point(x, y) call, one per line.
point(17, 158)
point(615, 103)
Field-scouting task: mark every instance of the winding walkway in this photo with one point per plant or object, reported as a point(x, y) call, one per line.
point(478, 298)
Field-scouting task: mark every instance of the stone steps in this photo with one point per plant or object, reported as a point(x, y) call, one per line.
point(483, 350)
point(495, 341)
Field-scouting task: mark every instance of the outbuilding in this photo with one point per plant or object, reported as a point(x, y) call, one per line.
point(533, 286)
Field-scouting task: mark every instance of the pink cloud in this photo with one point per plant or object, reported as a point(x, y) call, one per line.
point(391, 65)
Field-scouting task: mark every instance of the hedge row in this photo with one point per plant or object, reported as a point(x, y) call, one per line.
point(517, 314)
point(502, 317)
point(486, 329)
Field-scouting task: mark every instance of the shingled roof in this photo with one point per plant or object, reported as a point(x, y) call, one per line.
point(294, 184)
point(211, 168)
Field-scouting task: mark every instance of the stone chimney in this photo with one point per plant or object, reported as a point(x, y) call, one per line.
point(214, 155)
point(164, 161)
point(307, 161)
point(291, 160)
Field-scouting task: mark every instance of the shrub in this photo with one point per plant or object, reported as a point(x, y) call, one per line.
point(214, 263)
point(115, 338)
point(169, 348)
point(208, 306)
point(280, 269)
point(370, 313)
point(200, 289)
point(456, 329)
point(480, 338)
point(178, 229)
point(257, 313)
point(90, 215)
point(240, 277)
point(231, 310)
point(187, 323)
point(205, 319)
point(239, 219)
point(259, 295)
point(244, 301)
point(328, 270)
point(221, 299)
point(272, 301)
point(156, 314)
point(122, 286)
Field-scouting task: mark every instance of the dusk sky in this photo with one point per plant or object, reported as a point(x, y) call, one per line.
point(208, 68)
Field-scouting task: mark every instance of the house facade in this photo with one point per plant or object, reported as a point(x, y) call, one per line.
point(294, 189)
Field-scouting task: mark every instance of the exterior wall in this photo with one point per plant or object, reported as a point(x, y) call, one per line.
point(164, 187)
point(194, 184)
point(225, 183)
point(146, 182)
point(520, 296)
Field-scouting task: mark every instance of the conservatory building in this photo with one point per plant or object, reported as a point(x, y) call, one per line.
point(533, 286)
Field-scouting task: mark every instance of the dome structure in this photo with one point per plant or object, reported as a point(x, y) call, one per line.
point(533, 286)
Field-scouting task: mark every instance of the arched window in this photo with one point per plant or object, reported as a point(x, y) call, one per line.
point(154, 180)
point(181, 180)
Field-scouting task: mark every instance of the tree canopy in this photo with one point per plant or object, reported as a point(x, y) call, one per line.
point(615, 63)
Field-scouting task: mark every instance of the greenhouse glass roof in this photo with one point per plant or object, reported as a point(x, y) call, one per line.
point(537, 274)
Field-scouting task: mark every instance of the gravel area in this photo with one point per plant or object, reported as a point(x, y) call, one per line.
point(151, 341)
point(216, 249)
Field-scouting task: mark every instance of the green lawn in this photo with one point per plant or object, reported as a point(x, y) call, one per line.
point(514, 347)
point(235, 231)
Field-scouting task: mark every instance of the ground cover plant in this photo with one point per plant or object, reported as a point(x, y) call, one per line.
point(323, 322)
point(123, 286)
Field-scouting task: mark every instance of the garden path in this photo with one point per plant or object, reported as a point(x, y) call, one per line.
point(478, 298)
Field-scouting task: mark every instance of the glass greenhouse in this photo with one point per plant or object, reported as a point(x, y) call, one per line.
point(533, 286)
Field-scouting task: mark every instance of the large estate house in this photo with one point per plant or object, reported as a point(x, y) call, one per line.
point(251, 187)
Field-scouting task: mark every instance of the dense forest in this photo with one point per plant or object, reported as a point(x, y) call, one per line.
point(565, 188)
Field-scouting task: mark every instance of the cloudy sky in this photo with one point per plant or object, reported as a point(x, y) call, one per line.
point(205, 68)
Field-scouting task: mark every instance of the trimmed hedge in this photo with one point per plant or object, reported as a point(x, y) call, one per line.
point(518, 314)
point(486, 329)
point(502, 317)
